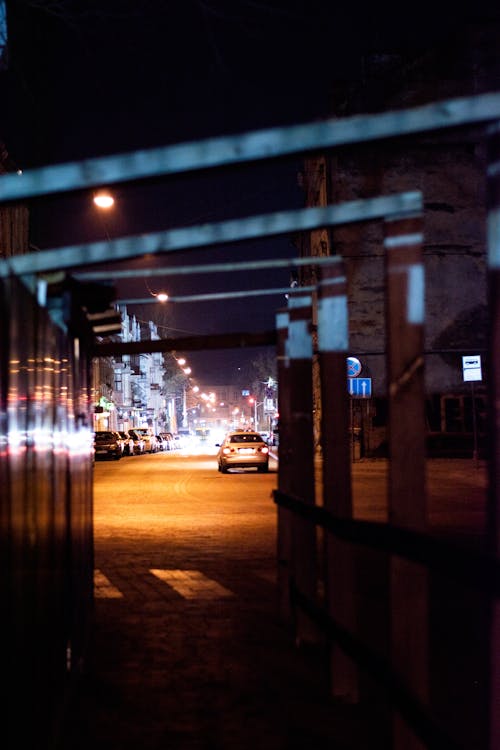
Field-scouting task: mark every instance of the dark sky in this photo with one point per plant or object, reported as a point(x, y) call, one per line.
point(115, 76)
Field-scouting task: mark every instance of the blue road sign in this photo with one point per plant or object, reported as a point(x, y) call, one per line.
point(353, 367)
point(359, 387)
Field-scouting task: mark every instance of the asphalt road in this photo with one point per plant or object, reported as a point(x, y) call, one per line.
point(178, 500)
point(189, 651)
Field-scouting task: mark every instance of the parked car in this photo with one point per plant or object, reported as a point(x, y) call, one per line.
point(128, 442)
point(150, 445)
point(139, 444)
point(243, 450)
point(161, 442)
point(120, 439)
point(107, 445)
point(169, 440)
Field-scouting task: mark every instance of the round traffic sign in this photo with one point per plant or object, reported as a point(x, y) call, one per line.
point(353, 367)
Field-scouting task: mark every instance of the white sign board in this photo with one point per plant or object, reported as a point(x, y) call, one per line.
point(472, 367)
point(269, 406)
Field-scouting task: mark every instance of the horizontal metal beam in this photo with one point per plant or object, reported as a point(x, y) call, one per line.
point(230, 267)
point(186, 344)
point(251, 146)
point(213, 296)
point(217, 233)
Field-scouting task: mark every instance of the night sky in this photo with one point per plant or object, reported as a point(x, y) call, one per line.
point(111, 77)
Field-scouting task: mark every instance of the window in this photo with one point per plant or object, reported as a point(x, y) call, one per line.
point(246, 438)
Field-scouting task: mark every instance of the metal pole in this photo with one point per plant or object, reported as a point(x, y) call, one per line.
point(407, 500)
point(493, 510)
point(284, 521)
point(301, 471)
point(340, 584)
point(184, 408)
point(474, 424)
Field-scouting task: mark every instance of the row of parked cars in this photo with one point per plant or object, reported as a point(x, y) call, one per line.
point(115, 444)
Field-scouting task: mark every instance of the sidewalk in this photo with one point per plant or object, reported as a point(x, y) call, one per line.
point(219, 675)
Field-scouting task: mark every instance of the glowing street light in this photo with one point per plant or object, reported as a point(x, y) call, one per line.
point(103, 199)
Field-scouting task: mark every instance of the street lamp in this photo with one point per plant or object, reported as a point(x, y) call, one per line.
point(104, 199)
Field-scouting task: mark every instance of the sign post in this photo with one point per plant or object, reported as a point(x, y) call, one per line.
point(472, 372)
point(354, 367)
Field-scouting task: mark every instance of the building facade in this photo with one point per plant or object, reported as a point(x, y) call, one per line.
point(130, 391)
point(450, 171)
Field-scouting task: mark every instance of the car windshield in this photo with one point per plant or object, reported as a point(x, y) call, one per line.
point(246, 438)
point(104, 436)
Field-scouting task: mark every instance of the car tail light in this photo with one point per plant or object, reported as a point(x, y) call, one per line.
point(265, 449)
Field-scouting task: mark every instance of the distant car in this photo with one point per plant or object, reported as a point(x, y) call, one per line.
point(150, 445)
point(107, 445)
point(128, 443)
point(243, 450)
point(121, 440)
point(161, 443)
point(168, 438)
point(139, 444)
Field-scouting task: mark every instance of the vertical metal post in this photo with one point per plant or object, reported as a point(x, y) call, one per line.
point(493, 381)
point(475, 454)
point(340, 585)
point(407, 502)
point(301, 471)
point(284, 534)
point(184, 408)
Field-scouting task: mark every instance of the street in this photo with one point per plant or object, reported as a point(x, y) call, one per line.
point(189, 650)
point(180, 504)
point(175, 508)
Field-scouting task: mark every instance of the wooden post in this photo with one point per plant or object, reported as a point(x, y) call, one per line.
point(301, 474)
point(407, 500)
point(340, 588)
point(284, 540)
point(493, 384)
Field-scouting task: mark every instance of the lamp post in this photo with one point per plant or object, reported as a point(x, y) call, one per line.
point(253, 400)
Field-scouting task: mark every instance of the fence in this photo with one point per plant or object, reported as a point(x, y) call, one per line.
point(49, 554)
point(45, 518)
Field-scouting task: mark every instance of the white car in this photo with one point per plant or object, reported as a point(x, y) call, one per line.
point(243, 450)
point(150, 444)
